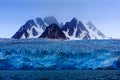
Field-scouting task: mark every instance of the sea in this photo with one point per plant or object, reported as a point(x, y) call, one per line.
point(60, 75)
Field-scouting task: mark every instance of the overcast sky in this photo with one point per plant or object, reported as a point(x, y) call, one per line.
point(104, 14)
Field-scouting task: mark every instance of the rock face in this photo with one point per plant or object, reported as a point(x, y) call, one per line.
point(24, 32)
point(34, 28)
point(75, 30)
point(53, 32)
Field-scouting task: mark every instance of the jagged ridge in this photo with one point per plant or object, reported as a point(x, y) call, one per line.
point(73, 30)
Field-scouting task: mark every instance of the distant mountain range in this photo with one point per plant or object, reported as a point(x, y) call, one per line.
point(49, 27)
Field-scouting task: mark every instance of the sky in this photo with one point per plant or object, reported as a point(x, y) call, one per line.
point(104, 14)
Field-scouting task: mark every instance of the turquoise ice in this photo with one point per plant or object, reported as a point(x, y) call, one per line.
point(47, 54)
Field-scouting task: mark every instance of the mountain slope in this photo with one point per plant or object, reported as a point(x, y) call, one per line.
point(29, 29)
point(94, 32)
point(50, 20)
point(34, 28)
point(75, 30)
point(53, 32)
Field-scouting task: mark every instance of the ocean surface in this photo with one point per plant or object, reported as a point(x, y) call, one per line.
point(60, 75)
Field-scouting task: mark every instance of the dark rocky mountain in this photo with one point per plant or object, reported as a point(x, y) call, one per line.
point(53, 32)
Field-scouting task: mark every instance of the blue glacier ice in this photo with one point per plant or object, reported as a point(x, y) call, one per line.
point(47, 54)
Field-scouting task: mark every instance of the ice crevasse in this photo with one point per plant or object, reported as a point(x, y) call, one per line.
point(47, 54)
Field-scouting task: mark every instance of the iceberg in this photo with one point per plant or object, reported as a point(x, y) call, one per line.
point(53, 54)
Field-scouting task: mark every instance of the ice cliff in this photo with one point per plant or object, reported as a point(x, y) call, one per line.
point(46, 54)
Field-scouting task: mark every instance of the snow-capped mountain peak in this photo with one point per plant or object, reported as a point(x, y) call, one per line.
point(31, 29)
point(34, 28)
point(75, 30)
point(94, 32)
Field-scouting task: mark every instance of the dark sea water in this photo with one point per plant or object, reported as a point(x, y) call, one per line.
point(61, 75)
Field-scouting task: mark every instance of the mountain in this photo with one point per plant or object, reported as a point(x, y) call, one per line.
point(94, 32)
point(34, 28)
point(50, 20)
point(75, 30)
point(53, 32)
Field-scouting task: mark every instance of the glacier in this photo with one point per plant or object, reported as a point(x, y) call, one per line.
point(53, 54)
